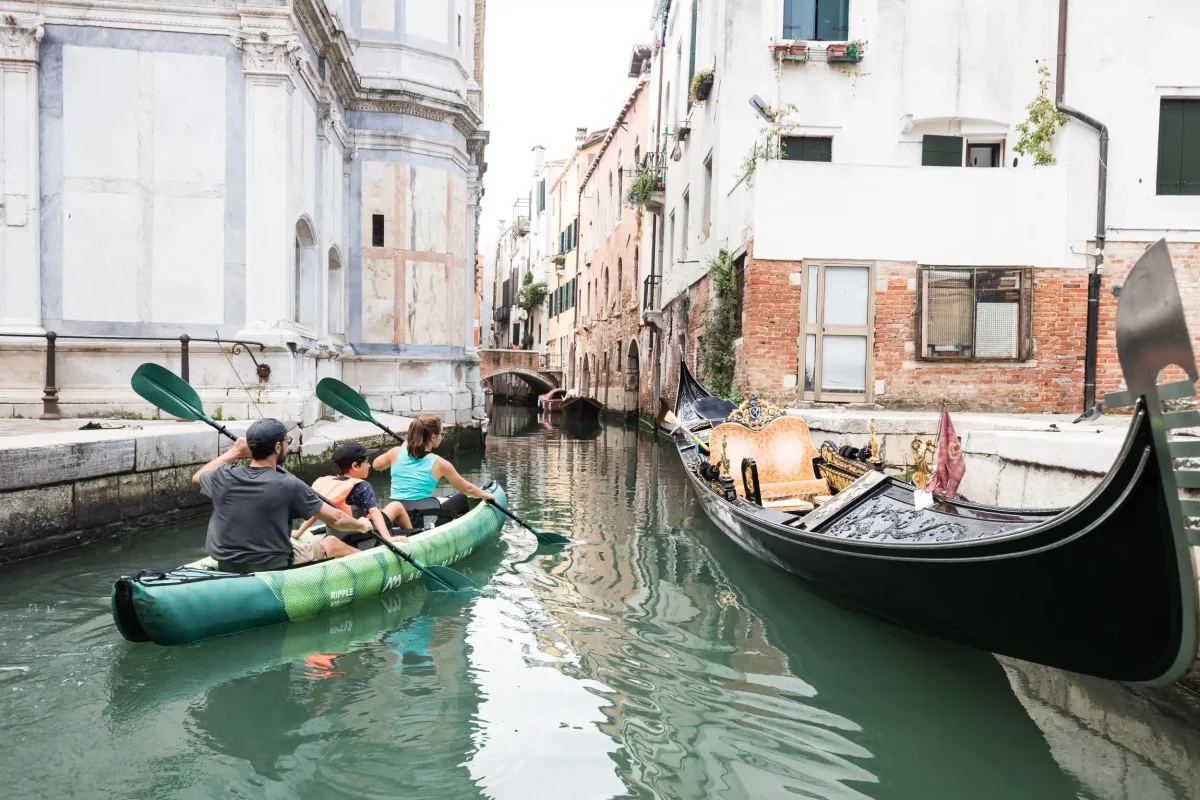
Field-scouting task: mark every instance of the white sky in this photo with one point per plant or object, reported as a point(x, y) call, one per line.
point(550, 66)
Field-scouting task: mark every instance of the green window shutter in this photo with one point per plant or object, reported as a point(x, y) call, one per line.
point(818, 148)
point(1189, 173)
point(1170, 146)
point(941, 151)
point(692, 57)
point(807, 148)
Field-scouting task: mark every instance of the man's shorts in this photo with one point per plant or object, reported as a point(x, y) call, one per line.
point(309, 552)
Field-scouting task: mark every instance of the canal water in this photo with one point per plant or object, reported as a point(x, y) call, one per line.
point(654, 659)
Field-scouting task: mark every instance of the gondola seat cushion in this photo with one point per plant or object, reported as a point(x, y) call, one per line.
point(783, 451)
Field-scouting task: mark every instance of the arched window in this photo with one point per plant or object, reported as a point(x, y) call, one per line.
point(631, 363)
point(304, 279)
point(604, 309)
point(611, 204)
point(619, 199)
point(620, 276)
point(336, 295)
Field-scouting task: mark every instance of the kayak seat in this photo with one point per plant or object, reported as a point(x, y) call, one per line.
point(783, 453)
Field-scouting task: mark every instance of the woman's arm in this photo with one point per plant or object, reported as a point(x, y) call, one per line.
point(386, 460)
point(444, 469)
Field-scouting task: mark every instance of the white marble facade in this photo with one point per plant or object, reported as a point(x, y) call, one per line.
point(214, 170)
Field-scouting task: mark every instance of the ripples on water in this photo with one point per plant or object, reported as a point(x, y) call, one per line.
point(654, 659)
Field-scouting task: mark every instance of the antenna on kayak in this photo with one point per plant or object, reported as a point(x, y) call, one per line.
point(236, 375)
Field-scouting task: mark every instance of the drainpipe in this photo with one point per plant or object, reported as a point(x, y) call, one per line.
point(655, 332)
point(1094, 278)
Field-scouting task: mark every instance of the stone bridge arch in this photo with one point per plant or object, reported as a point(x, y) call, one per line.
point(542, 383)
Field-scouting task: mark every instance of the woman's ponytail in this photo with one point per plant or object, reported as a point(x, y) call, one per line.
point(421, 433)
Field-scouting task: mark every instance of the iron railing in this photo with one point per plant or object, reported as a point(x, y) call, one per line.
point(50, 408)
point(651, 292)
point(502, 314)
point(551, 362)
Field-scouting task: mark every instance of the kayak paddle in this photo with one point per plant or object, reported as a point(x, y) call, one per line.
point(342, 398)
point(543, 537)
point(174, 395)
point(436, 579)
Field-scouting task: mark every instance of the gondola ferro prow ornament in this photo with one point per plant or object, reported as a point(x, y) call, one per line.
point(1152, 335)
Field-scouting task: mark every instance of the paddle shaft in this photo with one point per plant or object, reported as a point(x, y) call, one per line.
point(542, 536)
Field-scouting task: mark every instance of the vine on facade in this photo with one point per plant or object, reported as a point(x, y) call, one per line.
point(1044, 121)
point(717, 358)
point(532, 294)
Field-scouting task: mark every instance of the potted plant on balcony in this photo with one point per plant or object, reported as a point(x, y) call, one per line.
point(559, 261)
point(702, 84)
point(646, 189)
point(846, 52)
point(790, 51)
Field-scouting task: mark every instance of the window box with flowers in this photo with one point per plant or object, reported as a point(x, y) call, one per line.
point(702, 84)
point(559, 261)
point(790, 51)
point(847, 52)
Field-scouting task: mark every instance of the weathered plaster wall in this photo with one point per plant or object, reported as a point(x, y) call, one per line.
point(143, 186)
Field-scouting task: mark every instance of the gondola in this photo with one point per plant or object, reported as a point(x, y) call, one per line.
point(581, 408)
point(1104, 588)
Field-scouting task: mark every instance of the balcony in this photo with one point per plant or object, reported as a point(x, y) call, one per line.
point(501, 315)
point(651, 300)
point(925, 215)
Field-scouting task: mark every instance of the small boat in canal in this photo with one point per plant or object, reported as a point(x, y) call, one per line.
point(196, 602)
point(1104, 588)
point(579, 407)
point(552, 400)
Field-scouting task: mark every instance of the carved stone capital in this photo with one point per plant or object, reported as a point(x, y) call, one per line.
point(264, 55)
point(20, 39)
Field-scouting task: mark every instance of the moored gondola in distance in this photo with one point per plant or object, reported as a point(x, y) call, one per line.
point(1104, 588)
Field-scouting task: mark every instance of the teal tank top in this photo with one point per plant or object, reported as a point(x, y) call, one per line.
point(412, 478)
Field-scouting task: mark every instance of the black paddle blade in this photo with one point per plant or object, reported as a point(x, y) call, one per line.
point(342, 398)
point(167, 391)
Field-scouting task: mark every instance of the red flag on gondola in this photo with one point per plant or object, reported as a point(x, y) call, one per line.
point(950, 463)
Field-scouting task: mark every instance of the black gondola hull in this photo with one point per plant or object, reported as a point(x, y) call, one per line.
point(1099, 588)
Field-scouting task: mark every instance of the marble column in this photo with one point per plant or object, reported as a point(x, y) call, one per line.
point(20, 230)
point(269, 63)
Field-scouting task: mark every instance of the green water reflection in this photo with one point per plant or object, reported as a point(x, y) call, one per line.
point(655, 659)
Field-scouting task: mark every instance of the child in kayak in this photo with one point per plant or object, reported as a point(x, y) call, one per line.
point(416, 471)
point(349, 491)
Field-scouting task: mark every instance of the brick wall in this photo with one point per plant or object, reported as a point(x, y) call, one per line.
point(1119, 259)
point(771, 309)
point(1051, 381)
point(683, 317)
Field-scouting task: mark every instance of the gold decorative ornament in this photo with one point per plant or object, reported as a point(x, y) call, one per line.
point(724, 456)
point(755, 415)
point(922, 470)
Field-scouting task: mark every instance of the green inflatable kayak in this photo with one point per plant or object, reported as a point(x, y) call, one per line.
point(196, 602)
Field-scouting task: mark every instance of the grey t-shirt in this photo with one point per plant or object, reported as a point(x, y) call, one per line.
point(253, 509)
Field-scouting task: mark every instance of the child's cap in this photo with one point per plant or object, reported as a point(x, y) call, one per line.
point(348, 454)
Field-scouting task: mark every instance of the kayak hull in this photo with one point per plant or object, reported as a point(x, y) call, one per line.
point(196, 602)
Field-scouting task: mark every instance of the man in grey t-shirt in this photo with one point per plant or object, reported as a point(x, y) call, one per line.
point(253, 507)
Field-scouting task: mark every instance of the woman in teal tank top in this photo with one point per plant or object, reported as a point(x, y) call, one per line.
point(416, 471)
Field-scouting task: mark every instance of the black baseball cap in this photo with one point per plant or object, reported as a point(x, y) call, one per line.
point(347, 454)
point(268, 431)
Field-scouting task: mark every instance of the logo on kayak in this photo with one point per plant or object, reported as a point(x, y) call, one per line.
point(341, 595)
point(392, 583)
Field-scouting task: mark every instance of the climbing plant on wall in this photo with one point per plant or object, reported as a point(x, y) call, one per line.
point(717, 358)
point(1044, 121)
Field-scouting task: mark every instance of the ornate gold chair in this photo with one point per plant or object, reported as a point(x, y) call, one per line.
point(782, 452)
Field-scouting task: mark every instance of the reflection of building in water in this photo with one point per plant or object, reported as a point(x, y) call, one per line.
point(691, 678)
point(1114, 742)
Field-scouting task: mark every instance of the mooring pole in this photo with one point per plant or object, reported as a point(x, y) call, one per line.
point(50, 393)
